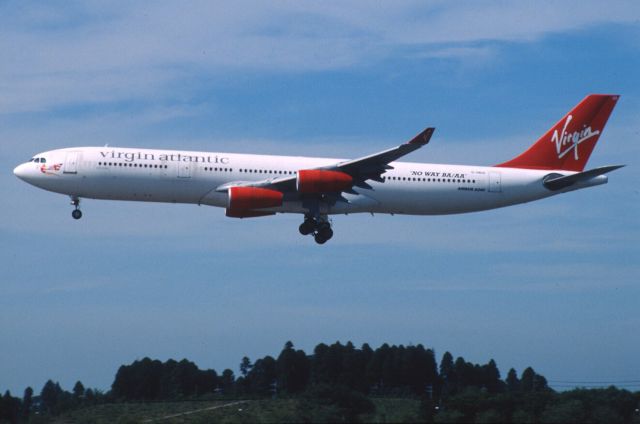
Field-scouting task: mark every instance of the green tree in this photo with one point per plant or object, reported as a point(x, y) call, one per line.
point(227, 381)
point(78, 391)
point(447, 374)
point(532, 382)
point(245, 366)
point(513, 384)
point(27, 402)
point(9, 408)
point(491, 377)
point(262, 376)
point(293, 369)
point(50, 395)
point(526, 380)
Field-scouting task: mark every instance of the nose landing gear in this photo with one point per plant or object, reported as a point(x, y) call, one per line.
point(318, 226)
point(77, 213)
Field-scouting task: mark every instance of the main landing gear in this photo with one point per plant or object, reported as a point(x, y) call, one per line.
point(77, 213)
point(319, 227)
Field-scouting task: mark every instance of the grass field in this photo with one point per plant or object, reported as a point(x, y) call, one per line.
point(251, 411)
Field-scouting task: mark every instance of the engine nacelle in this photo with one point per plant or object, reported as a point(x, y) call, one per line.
point(232, 213)
point(248, 198)
point(321, 181)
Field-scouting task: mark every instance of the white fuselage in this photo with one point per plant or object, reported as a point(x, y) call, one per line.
point(193, 177)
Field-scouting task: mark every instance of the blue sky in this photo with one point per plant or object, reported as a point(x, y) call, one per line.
point(552, 284)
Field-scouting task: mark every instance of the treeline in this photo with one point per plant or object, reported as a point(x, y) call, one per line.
point(344, 379)
point(385, 371)
point(51, 401)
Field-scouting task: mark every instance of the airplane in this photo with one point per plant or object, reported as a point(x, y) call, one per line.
point(248, 185)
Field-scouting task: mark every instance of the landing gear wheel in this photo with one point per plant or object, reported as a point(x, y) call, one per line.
point(320, 239)
point(323, 233)
point(76, 214)
point(307, 227)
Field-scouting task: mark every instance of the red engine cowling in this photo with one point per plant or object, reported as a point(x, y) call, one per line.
point(321, 181)
point(248, 198)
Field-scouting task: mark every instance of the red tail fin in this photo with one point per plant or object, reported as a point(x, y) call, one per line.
point(569, 143)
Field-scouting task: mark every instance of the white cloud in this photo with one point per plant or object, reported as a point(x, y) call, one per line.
point(89, 52)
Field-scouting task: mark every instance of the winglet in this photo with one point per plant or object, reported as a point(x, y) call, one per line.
point(423, 138)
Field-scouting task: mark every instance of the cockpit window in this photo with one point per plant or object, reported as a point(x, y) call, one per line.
point(32, 159)
point(43, 160)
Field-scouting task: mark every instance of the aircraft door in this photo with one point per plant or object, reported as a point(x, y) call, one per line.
point(184, 170)
point(71, 163)
point(495, 182)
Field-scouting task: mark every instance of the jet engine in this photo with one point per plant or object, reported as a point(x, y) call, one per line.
point(322, 181)
point(248, 198)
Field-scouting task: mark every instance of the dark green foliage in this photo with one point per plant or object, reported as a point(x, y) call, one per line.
point(153, 380)
point(325, 403)
point(455, 377)
point(54, 400)
point(532, 382)
point(591, 406)
point(513, 383)
point(333, 385)
point(245, 366)
point(51, 396)
point(9, 408)
point(27, 402)
point(78, 391)
point(293, 369)
point(577, 406)
point(262, 377)
point(227, 382)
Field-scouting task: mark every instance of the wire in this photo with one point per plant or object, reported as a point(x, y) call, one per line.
point(595, 382)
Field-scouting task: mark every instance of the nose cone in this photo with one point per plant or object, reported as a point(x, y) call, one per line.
point(21, 171)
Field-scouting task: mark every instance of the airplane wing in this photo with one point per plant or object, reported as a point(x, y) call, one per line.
point(369, 167)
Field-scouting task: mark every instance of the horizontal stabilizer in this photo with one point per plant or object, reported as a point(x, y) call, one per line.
point(558, 182)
